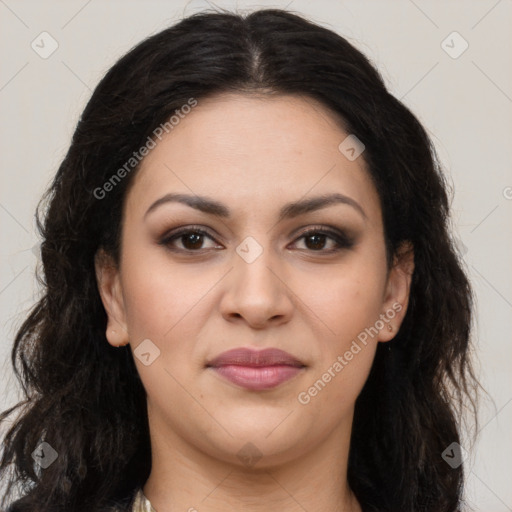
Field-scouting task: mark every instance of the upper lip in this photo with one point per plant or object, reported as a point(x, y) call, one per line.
point(250, 357)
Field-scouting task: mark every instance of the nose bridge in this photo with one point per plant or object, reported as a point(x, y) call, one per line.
point(253, 261)
point(255, 291)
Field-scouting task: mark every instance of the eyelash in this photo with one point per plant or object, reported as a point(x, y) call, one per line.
point(343, 240)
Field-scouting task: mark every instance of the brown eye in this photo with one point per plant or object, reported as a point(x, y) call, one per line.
point(192, 240)
point(316, 240)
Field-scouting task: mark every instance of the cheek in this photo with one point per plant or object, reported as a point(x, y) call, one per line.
point(349, 303)
point(351, 308)
point(160, 296)
point(347, 299)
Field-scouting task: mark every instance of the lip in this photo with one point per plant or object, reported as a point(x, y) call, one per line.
point(256, 358)
point(256, 369)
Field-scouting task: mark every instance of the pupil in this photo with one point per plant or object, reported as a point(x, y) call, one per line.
point(316, 237)
point(196, 241)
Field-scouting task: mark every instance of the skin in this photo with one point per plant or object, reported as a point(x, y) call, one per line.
point(253, 154)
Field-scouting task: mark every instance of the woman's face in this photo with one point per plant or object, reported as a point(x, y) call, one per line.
point(253, 280)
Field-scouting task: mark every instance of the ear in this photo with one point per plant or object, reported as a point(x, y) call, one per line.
point(396, 297)
point(109, 286)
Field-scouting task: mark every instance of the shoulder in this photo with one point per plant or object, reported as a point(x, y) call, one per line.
point(133, 502)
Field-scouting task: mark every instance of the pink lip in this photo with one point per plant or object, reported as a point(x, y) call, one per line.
point(256, 370)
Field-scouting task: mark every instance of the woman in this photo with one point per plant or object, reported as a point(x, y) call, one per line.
point(252, 299)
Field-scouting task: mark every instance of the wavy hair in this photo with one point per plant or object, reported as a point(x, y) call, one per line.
point(85, 398)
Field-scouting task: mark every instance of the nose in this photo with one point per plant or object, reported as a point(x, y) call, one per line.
point(257, 292)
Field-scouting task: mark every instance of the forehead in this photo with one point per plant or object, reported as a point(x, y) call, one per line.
point(256, 152)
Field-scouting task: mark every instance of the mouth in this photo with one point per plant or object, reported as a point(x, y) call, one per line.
point(256, 370)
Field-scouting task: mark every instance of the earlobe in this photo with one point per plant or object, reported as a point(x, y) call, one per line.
point(109, 287)
point(398, 290)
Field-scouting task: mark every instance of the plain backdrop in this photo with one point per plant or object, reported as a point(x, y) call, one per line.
point(459, 85)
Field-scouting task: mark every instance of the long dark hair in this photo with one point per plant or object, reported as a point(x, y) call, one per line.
point(85, 398)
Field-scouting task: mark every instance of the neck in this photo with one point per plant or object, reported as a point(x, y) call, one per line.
point(185, 478)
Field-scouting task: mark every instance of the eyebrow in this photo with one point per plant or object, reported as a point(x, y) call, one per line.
point(288, 211)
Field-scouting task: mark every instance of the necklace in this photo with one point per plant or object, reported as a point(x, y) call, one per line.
point(141, 503)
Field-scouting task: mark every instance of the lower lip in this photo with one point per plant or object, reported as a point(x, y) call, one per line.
point(257, 378)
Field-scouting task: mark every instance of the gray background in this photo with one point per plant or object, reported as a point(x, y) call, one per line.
point(465, 103)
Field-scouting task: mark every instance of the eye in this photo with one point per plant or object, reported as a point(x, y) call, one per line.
point(191, 238)
point(316, 239)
